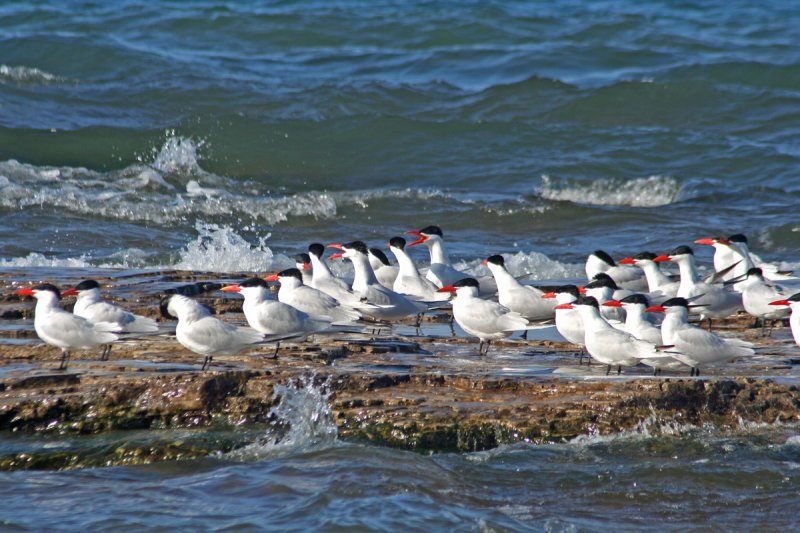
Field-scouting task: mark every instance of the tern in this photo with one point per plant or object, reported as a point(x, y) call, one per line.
point(408, 280)
point(302, 262)
point(637, 324)
point(603, 288)
point(695, 346)
point(441, 272)
point(757, 295)
point(314, 302)
point(67, 331)
point(568, 320)
point(714, 300)
point(384, 270)
point(325, 281)
point(607, 344)
point(90, 305)
point(526, 300)
point(202, 333)
point(793, 302)
point(272, 317)
point(625, 276)
point(388, 304)
point(482, 318)
point(660, 286)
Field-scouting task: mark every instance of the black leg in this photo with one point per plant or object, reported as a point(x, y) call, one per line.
point(64, 359)
point(525, 334)
point(206, 362)
point(619, 369)
point(608, 370)
point(277, 347)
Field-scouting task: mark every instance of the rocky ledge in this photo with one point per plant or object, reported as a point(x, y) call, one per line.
point(427, 393)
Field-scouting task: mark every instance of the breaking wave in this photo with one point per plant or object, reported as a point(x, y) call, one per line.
point(653, 191)
point(530, 266)
point(27, 75)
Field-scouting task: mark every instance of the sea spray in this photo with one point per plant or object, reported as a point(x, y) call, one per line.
point(221, 249)
point(300, 420)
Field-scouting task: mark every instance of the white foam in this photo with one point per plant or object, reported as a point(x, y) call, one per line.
point(174, 188)
point(35, 259)
point(652, 191)
point(30, 75)
point(222, 249)
point(531, 265)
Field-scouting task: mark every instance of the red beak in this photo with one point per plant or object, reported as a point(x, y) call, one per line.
point(780, 302)
point(656, 309)
point(582, 290)
point(69, 292)
point(627, 261)
point(306, 266)
point(612, 303)
point(422, 238)
point(26, 292)
point(565, 306)
point(272, 277)
point(485, 262)
point(662, 259)
point(549, 295)
point(231, 288)
point(707, 241)
point(336, 256)
point(447, 288)
point(338, 246)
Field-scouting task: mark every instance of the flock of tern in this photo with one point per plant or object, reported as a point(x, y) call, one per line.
point(613, 316)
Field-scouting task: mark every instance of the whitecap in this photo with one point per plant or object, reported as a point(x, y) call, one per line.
point(652, 191)
point(29, 75)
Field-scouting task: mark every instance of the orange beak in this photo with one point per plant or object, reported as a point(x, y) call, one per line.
point(231, 288)
point(69, 292)
point(422, 238)
point(447, 288)
point(272, 277)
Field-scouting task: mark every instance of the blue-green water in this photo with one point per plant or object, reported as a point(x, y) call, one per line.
point(228, 135)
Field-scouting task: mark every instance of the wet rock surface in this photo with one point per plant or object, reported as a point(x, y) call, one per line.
point(421, 390)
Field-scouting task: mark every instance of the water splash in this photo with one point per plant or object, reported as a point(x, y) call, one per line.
point(222, 249)
point(653, 191)
point(301, 420)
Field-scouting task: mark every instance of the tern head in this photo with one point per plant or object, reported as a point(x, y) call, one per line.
point(495, 260)
point(353, 248)
point(291, 276)
point(82, 288)
point(43, 290)
point(677, 303)
point(245, 285)
point(792, 301)
point(738, 238)
point(604, 257)
point(316, 249)
point(635, 299)
point(570, 290)
point(397, 242)
point(638, 259)
point(675, 255)
point(303, 260)
point(378, 254)
point(469, 285)
point(602, 280)
point(426, 234)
